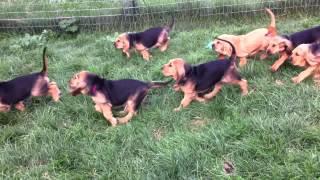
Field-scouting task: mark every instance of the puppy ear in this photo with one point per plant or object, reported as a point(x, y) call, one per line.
point(126, 42)
point(181, 68)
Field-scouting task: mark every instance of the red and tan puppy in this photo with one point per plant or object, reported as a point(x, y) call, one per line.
point(286, 43)
point(15, 91)
point(306, 56)
point(248, 44)
point(157, 37)
point(204, 81)
point(107, 94)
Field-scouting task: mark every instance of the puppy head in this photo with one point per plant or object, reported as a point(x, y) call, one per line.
point(78, 83)
point(299, 55)
point(222, 47)
point(176, 68)
point(278, 44)
point(122, 41)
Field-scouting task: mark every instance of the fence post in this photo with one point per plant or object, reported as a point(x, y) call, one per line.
point(130, 10)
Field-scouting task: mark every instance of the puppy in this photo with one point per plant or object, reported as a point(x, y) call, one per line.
point(197, 82)
point(286, 43)
point(248, 44)
point(109, 93)
point(157, 37)
point(307, 56)
point(14, 92)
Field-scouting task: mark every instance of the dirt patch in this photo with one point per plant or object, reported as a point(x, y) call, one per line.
point(228, 168)
point(158, 134)
point(197, 123)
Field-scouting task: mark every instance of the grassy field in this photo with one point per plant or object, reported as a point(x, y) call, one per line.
point(273, 133)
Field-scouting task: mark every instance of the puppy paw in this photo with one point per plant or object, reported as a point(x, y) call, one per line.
point(296, 80)
point(177, 109)
point(176, 87)
point(113, 122)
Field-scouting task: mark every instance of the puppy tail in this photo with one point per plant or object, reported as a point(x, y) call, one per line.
point(233, 56)
point(159, 84)
point(45, 62)
point(272, 27)
point(171, 25)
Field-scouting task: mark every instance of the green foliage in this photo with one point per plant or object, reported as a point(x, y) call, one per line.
point(69, 25)
point(32, 41)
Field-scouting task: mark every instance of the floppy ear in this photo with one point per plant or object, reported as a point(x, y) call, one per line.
point(180, 67)
point(126, 42)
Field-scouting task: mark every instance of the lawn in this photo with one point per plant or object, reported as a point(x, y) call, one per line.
point(273, 133)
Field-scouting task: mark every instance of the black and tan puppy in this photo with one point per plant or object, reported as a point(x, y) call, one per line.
point(197, 82)
point(110, 93)
point(14, 92)
point(286, 43)
point(157, 37)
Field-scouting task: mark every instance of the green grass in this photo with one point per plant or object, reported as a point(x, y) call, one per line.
point(273, 133)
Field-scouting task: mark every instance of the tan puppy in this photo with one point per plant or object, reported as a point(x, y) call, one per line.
point(307, 56)
point(157, 37)
point(284, 44)
point(248, 44)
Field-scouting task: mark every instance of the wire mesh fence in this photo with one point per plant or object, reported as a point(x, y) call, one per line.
point(105, 15)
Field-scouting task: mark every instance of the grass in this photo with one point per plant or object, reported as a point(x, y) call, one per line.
point(273, 133)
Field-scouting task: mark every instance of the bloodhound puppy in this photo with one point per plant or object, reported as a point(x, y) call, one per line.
point(286, 43)
point(110, 93)
point(203, 81)
point(246, 45)
point(15, 91)
point(157, 37)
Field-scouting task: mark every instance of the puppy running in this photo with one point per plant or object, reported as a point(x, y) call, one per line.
point(157, 37)
point(109, 93)
point(307, 56)
point(14, 92)
point(286, 43)
point(196, 82)
point(248, 44)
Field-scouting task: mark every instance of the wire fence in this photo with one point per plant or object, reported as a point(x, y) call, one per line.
point(107, 15)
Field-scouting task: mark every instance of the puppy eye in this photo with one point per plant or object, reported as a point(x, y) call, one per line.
point(297, 54)
point(170, 65)
point(273, 45)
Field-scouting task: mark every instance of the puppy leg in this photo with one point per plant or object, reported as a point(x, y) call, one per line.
point(176, 87)
point(279, 62)
point(131, 112)
point(107, 113)
point(164, 46)
point(243, 61)
point(145, 54)
point(98, 108)
point(4, 107)
point(214, 92)
point(244, 86)
point(126, 52)
point(54, 91)
point(20, 106)
point(263, 56)
point(187, 99)
point(303, 75)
